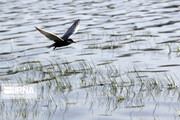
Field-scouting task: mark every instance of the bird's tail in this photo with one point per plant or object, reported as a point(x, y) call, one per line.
point(49, 46)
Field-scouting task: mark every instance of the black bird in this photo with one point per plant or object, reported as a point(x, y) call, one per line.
point(65, 39)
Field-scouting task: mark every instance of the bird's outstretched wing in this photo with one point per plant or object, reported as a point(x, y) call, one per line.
point(49, 35)
point(72, 30)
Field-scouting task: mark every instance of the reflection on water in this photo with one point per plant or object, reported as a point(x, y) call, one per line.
point(124, 65)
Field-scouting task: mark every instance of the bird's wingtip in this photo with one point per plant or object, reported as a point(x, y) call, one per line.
point(36, 27)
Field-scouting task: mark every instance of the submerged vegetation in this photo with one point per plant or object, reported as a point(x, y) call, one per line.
point(70, 75)
point(83, 72)
point(105, 86)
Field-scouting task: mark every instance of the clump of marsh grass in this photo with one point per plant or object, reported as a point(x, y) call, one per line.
point(104, 86)
point(34, 72)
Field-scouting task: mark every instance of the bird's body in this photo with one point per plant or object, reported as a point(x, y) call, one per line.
point(59, 44)
point(65, 39)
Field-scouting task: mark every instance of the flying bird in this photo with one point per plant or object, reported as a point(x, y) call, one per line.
point(65, 39)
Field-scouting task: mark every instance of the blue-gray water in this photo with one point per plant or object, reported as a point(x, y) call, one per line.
point(125, 64)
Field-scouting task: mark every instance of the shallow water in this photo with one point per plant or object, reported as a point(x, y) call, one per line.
point(125, 64)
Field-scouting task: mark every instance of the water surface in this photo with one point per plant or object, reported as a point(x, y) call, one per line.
point(125, 64)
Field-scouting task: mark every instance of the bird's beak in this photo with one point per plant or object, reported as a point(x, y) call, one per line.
point(74, 42)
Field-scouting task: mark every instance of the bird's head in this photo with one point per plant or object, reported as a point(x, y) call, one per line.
point(70, 41)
